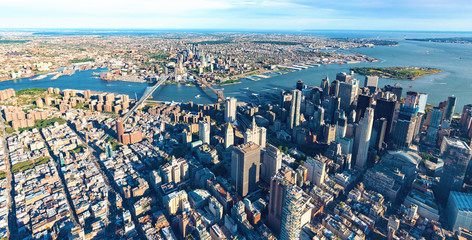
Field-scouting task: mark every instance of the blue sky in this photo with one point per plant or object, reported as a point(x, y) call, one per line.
point(450, 15)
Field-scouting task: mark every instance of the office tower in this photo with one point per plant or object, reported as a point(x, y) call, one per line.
point(230, 109)
point(405, 125)
point(300, 86)
point(120, 129)
point(371, 83)
point(363, 133)
point(451, 105)
point(334, 89)
point(329, 133)
point(333, 105)
point(293, 204)
point(316, 169)
point(420, 99)
point(343, 77)
point(294, 117)
point(396, 89)
point(271, 163)
point(318, 118)
point(348, 94)
point(286, 99)
point(386, 108)
point(341, 126)
point(278, 185)
point(245, 164)
point(434, 124)
point(255, 134)
point(325, 87)
point(459, 211)
point(229, 136)
point(204, 131)
point(364, 101)
point(456, 155)
point(378, 134)
point(466, 117)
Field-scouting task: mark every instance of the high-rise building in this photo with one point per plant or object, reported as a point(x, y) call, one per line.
point(204, 131)
point(316, 169)
point(341, 126)
point(229, 136)
point(293, 204)
point(396, 89)
point(278, 185)
point(294, 117)
point(434, 124)
point(271, 163)
point(364, 101)
point(245, 165)
point(451, 105)
point(255, 134)
point(406, 123)
point(325, 86)
point(371, 83)
point(466, 117)
point(120, 129)
point(459, 211)
point(386, 108)
point(230, 109)
point(456, 155)
point(348, 94)
point(362, 138)
point(300, 85)
point(378, 134)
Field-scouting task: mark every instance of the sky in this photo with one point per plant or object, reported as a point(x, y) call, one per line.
point(424, 15)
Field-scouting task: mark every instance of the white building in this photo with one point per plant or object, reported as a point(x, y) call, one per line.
point(230, 110)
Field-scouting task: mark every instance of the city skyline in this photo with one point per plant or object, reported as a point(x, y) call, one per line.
point(240, 15)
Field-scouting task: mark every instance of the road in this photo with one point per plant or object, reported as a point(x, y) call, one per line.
point(12, 226)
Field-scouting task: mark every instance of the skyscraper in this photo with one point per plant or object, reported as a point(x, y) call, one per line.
point(363, 133)
point(230, 109)
point(386, 108)
point(316, 169)
point(433, 128)
point(294, 117)
point(229, 136)
point(120, 129)
point(451, 105)
point(245, 165)
point(204, 131)
point(348, 94)
point(378, 133)
point(325, 86)
point(255, 134)
point(293, 204)
point(405, 124)
point(341, 126)
point(278, 186)
point(371, 83)
point(271, 163)
point(456, 155)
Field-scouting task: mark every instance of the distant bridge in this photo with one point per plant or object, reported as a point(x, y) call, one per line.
point(219, 93)
point(147, 93)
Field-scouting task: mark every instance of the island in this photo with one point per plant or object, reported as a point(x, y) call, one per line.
point(404, 73)
point(461, 40)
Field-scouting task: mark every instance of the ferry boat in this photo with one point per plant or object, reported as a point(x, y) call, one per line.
point(197, 96)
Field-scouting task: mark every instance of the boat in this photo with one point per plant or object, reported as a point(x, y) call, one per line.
point(197, 96)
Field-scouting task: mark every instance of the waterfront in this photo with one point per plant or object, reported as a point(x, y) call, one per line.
point(453, 59)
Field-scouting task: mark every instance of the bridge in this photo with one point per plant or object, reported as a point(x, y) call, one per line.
point(219, 93)
point(147, 93)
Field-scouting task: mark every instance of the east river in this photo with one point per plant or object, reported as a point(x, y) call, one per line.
point(455, 60)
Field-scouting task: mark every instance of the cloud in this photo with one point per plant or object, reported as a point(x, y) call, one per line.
point(239, 14)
